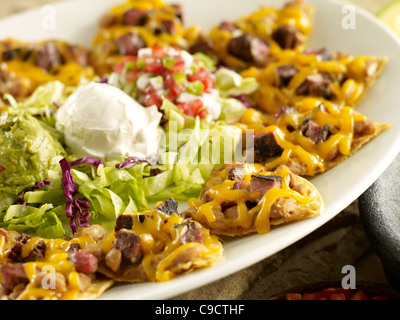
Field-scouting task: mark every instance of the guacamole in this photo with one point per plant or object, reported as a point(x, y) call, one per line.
point(28, 154)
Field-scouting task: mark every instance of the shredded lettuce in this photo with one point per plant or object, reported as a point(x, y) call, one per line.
point(44, 221)
point(43, 103)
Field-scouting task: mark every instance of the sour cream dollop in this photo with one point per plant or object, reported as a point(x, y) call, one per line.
point(100, 120)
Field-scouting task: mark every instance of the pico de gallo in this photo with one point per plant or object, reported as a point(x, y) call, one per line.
point(167, 72)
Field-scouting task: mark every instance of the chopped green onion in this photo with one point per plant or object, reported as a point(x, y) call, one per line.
point(195, 87)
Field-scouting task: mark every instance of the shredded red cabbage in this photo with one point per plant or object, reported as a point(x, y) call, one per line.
point(103, 79)
point(37, 186)
point(76, 209)
point(130, 162)
point(41, 184)
point(88, 160)
point(57, 105)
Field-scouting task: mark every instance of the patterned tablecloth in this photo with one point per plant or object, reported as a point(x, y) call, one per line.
point(318, 257)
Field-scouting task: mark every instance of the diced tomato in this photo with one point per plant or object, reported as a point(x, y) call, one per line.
point(195, 108)
point(326, 293)
point(205, 78)
point(152, 99)
point(119, 67)
point(359, 295)
point(311, 296)
point(2, 169)
point(132, 76)
point(184, 107)
point(337, 296)
point(159, 51)
point(156, 68)
point(179, 67)
point(293, 296)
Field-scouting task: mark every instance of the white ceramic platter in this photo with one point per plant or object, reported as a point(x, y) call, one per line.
point(76, 21)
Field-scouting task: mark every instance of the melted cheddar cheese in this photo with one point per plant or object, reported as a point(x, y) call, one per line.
point(263, 23)
point(40, 273)
point(160, 240)
point(247, 219)
point(105, 53)
point(350, 76)
point(312, 157)
point(21, 73)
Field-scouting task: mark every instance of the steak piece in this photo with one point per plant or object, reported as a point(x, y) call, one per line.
point(13, 274)
point(130, 43)
point(285, 73)
point(286, 37)
point(178, 11)
point(249, 48)
point(37, 252)
point(168, 207)
point(129, 244)
point(266, 146)
point(263, 183)
point(236, 172)
point(314, 132)
point(84, 262)
point(124, 222)
point(316, 85)
point(49, 56)
point(191, 233)
point(135, 17)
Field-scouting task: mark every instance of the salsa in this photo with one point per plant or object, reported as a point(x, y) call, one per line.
point(166, 72)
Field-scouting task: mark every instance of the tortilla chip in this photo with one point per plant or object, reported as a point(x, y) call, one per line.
point(343, 132)
point(166, 245)
point(305, 79)
point(239, 209)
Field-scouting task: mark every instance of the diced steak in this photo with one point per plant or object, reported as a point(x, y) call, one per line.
point(285, 73)
point(124, 222)
point(286, 37)
point(130, 43)
point(37, 252)
point(84, 262)
point(135, 17)
point(235, 172)
point(168, 26)
point(263, 183)
point(316, 85)
point(201, 45)
point(12, 54)
point(191, 233)
point(49, 56)
point(249, 48)
point(129, 244)
point(79, 55)
point(12, 274)
point(168, 207)
point(266, 146)
point(178, 11)
point(314, 132)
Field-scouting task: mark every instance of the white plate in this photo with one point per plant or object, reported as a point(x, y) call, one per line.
point(76, 21)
